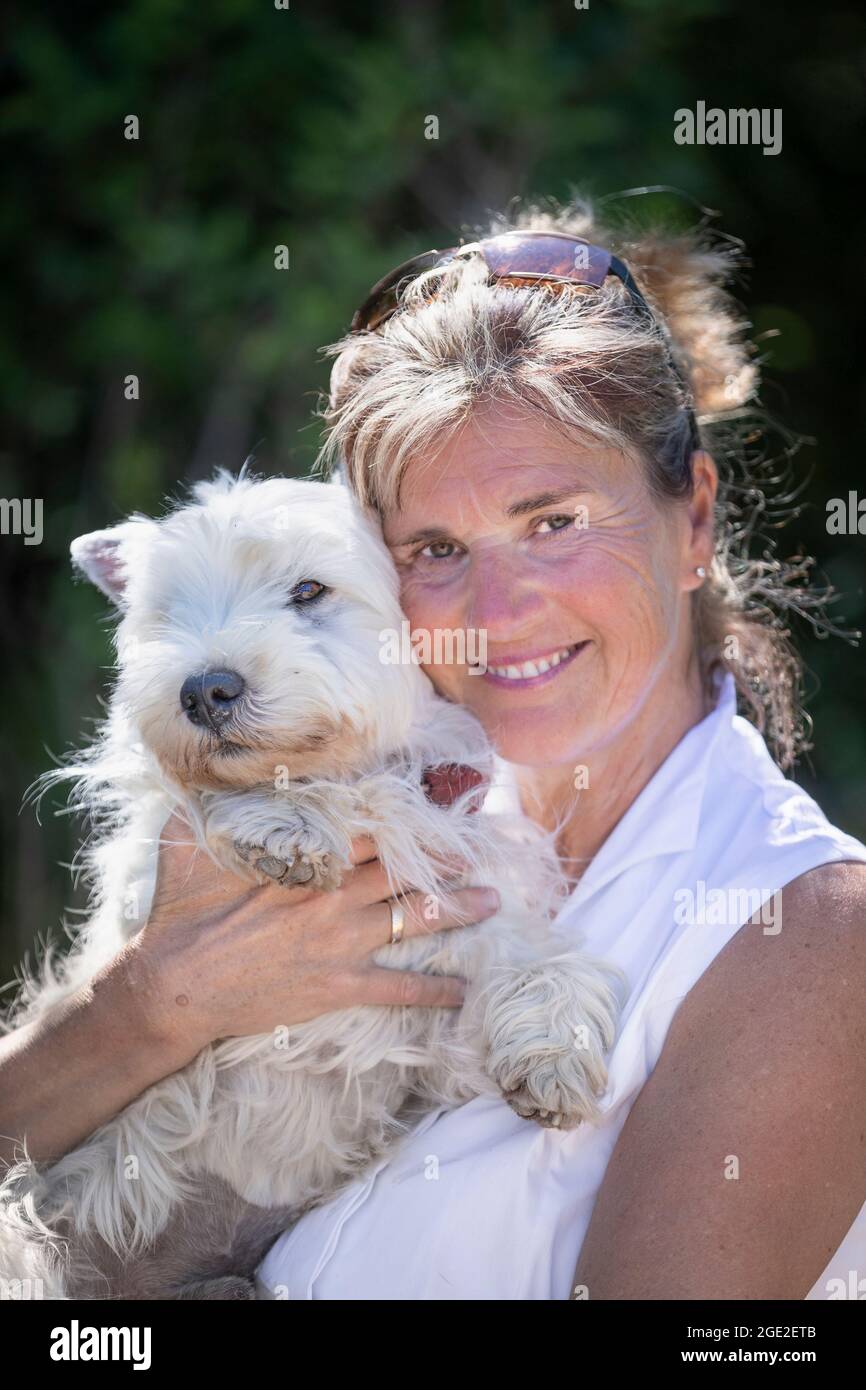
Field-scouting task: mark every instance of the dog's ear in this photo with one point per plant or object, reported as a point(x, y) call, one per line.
point(100, 556)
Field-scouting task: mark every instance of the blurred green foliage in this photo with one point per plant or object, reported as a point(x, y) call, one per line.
point(305, 127)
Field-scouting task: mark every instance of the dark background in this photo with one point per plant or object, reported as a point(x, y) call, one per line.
point(305, 127)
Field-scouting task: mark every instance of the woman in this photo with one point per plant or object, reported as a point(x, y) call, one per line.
point(522, 416)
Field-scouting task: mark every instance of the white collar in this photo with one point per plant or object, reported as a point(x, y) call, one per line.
point(664, 816)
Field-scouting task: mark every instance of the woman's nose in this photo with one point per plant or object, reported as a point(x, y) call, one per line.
point(502, 595)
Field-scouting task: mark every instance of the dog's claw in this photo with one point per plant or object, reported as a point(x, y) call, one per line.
point(299, 872)
point(523, 1104)
point(274, 868)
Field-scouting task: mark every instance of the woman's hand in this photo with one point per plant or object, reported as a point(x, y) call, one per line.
point(222, 958)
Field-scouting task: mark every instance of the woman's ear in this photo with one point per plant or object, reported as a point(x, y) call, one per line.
point(700, 537)
point(102, 556)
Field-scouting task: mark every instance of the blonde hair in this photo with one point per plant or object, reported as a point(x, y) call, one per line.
point(593, 363)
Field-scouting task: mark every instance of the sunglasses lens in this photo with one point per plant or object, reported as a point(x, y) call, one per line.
point(542, 255)
point(383, 297)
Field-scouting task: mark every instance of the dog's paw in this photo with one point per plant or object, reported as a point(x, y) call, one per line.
point(287, 864)
point(546, 1032)
point(549, 1096)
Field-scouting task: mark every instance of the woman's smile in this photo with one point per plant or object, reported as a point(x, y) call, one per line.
point(522, 673)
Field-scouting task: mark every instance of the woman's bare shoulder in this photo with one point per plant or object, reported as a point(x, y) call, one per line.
point(743, 1161)
point(791, 995)
point(815, 946)
point(840, 886)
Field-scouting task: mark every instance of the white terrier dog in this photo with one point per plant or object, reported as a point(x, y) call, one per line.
point(252, 696)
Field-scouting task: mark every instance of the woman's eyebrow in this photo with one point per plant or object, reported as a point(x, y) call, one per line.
point(544, 499)
point(522, 508)
point(429, 533)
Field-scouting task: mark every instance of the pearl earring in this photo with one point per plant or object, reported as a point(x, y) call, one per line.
point(701, 572)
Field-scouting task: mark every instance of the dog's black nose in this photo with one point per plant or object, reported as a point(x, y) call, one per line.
point(210, 697)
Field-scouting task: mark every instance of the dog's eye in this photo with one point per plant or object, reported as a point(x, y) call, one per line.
point(306, 591)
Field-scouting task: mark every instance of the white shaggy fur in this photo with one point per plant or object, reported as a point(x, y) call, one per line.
point(327, 743)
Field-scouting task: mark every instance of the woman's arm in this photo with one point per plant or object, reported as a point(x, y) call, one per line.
point(217, 958)
point(68, 1072)
point(743, 1161)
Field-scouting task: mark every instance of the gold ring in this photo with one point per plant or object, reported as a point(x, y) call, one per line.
point(398, 920)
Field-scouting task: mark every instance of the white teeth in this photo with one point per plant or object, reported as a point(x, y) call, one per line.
point(528, 669)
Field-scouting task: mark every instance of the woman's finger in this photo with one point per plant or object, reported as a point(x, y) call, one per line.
point(393, 988)
point(364, 850)
point(181, 866)
point(369, 883)
point(423, 913)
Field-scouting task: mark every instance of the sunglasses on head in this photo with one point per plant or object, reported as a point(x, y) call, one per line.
point(521, 259)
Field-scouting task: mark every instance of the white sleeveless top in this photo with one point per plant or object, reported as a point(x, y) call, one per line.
point(480, 1204)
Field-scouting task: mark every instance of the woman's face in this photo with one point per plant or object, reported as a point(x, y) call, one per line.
point(555, 554)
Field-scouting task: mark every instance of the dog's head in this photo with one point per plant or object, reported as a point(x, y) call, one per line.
point(250, 644)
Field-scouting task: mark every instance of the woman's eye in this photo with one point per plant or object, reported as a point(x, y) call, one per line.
point(438, 550)
point(306, 591)
point(554, 523)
